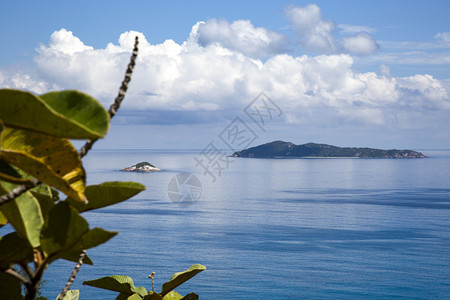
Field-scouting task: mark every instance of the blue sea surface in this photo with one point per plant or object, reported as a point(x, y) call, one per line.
point(276, 228)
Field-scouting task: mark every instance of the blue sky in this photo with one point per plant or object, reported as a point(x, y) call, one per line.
point(349, 73)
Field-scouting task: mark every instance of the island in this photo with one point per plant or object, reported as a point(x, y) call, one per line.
point(281, 149)
point(142, 167)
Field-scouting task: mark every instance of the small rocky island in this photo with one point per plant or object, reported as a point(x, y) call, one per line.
point(142, 167)
point(280, 149)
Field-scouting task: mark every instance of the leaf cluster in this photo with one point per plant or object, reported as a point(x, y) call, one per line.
point(35, 147)
point(38, 163)
point(127, 291)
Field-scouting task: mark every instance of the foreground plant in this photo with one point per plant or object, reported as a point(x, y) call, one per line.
point(37, 160)
point(125, 286)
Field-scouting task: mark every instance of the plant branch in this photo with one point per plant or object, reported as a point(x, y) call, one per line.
point(19, 191)
point(88, 145)
point(73, 275)
point(121, 95)
point(13, 273)
point(41, 268)
point(26, 268)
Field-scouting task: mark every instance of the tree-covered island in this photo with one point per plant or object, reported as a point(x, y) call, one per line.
point(281, 149)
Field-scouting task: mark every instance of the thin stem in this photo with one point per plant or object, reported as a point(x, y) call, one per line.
point(13, 273)
point(26, 268)
point(153, 285)
point(88, 145)
point(153, 282)
point(73, 275)
point(33, 286)
point(120, 96)
point(19, 191)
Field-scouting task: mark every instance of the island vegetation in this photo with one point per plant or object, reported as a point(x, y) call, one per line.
point(281, 149)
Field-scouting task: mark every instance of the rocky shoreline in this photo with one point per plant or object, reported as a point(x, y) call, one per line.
point(141, 167)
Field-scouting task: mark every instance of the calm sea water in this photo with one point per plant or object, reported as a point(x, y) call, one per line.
point(277, 228)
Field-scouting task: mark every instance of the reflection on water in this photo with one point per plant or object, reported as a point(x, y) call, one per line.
point(284, 229)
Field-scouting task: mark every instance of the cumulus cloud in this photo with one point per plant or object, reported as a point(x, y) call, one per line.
point(314, 34)
point(360, 44)
point(240, 36)
point(215, 80)
point(64, 42)
point(26, 81)
point(319, 35)
point(69, 63)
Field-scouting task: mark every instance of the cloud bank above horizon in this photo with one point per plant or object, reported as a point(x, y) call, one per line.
point(223, 65)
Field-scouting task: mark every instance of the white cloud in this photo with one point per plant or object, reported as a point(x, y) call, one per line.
point(63, 41)
point(413, 57)
point(443, 36)
point(319, 90)
point(385, 71)
point(21, 80)
point(436, 52)
point(352, 29)
point(425, 86)
point(240, 36)
point(360, 44)
point(318, 35)
point(314, 34)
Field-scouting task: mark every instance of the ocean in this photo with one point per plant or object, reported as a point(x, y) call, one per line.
point(275, 228)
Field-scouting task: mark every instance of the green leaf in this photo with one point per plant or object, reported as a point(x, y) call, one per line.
point(63, 229)
point(95, 237)
point(74, 255)
point(3, 219)
point(81, 109)
point(69, 114)
point(24, 214)
point(107, 193)
point(122, 296)
point(46, 190)
point(190, 296)
point(65, 234)
point(181, 277)
point(15, 249)
point(71, 295)
point(172, 295)
point(90, 239)
point(11, 175)
point(117, 283)
point(13, 179)
point(46, 197)
point(153, 296)
point(10, 287)
point(45, 202)
point(52, 160)
point(135, 296)
point(141, 291)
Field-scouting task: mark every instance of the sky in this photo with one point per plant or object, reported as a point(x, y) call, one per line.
point(347, 73)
